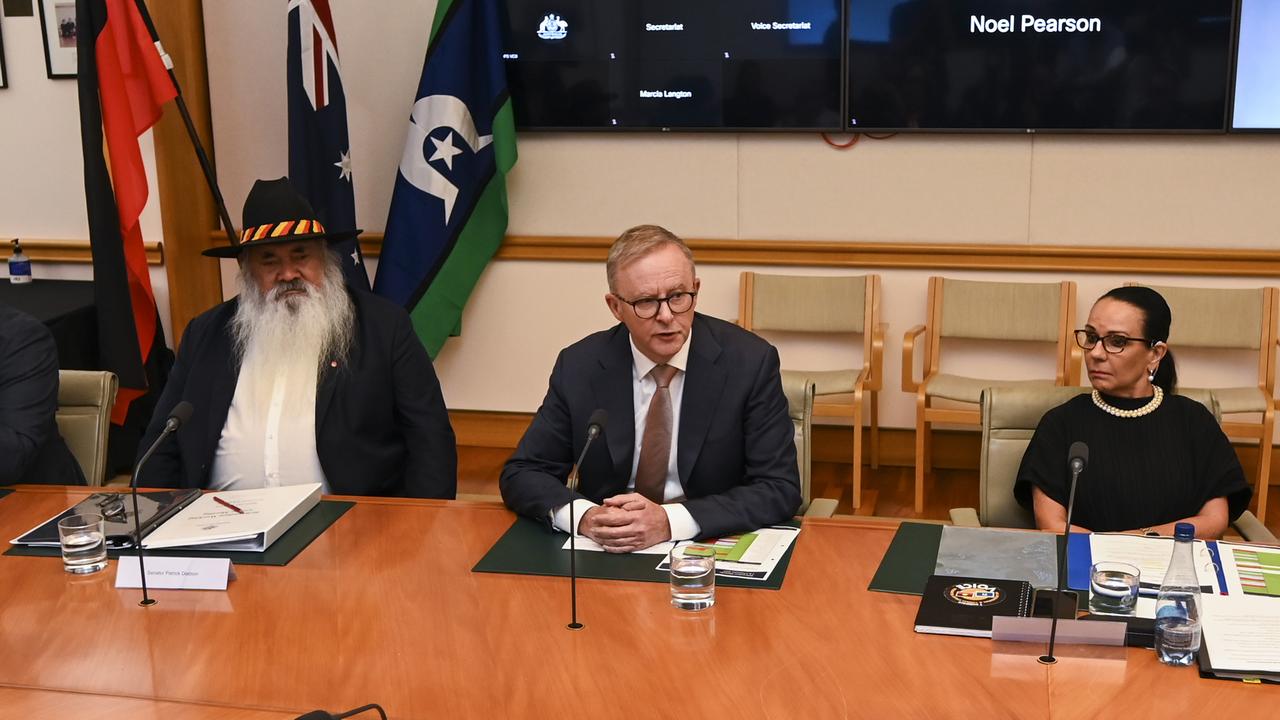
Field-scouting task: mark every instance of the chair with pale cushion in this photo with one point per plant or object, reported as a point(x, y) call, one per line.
point(1235, 320)
point(1009, 419)
point(85, 399)
point(827, 305)
point(973, 310)
point(799, 392)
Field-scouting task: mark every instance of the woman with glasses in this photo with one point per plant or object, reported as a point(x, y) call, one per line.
point(1155, 458)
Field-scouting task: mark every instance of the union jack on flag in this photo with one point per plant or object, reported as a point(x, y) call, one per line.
point(319, 154)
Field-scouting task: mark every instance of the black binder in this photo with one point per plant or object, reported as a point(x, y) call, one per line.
point(116, 510)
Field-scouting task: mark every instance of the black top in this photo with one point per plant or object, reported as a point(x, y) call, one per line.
point(1142, 471)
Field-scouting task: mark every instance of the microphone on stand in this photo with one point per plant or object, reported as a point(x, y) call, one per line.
point(180, 414)
point(595, 425)
point(1077, 460)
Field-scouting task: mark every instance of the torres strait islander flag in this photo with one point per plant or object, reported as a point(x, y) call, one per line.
point(319, 154)
point(122, 85)
point(449, 206)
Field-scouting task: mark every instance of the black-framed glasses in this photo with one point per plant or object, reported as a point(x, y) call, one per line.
point(646, 308)
point(1113, 343)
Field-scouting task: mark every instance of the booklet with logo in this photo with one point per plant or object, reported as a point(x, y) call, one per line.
point(116, 509)
point(965, 606)
point(240, 520)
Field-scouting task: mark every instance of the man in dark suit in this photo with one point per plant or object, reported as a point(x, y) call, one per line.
point(31, 450)
point(698, 442)
point(300, 379)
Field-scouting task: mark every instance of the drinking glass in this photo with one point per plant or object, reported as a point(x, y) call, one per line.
point(1113, 588)
point(83, 539)
point(693, 577)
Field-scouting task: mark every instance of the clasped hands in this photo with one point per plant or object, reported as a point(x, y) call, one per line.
point(626, 523)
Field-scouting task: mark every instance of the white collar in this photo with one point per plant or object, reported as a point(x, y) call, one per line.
point(643, 365)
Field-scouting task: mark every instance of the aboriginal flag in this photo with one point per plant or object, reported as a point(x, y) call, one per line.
point(122, 85)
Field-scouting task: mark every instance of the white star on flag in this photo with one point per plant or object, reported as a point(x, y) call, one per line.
point(344, 166)
point(445, 150)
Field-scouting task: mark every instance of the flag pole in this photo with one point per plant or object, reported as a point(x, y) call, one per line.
point(205, 165)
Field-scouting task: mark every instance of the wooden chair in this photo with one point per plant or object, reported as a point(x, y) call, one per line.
point(1028, 312)
point(1234, 320)
point(1009, 419)
point(85, 399)
point(827, 304)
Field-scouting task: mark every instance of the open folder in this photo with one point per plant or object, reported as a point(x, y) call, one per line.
point(240, 520)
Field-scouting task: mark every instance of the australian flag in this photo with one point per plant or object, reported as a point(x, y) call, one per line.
point(319, 154)
point(449, 206)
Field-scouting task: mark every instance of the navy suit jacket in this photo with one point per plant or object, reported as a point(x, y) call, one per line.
point(381, 423)
point(31, 450)
point(736, 452)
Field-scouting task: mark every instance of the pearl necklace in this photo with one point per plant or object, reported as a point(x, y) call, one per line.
point(1147, 409)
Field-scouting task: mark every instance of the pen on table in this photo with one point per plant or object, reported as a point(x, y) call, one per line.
point(224, 503)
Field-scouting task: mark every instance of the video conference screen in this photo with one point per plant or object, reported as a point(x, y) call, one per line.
point(725, 64)
point(1256, 105)
point(1140, 65)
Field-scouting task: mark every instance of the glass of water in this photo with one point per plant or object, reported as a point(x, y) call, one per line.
point(693, 577)
point(1113, 588)
point(84, 547)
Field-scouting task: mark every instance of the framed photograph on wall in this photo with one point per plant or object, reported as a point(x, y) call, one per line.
point(58, 19)
point(4, 75)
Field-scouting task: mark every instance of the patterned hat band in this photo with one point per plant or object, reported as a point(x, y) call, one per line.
point(281, 229)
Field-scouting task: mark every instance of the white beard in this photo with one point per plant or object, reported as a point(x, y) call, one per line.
point(292, 337)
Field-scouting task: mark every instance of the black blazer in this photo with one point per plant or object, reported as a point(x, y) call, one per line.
point(381, 423)
point(31, 450)
point(736, 452)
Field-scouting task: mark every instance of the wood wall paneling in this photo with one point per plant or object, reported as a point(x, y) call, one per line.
point(952, 449)
point(947, 256)
point(187, 209)
point(76, 251)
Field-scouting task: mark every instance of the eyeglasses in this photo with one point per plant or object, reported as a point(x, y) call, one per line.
point(646, 308)
point(1113, 343)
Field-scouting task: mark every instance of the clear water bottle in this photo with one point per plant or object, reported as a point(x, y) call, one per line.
point(1178, 605)
point(19, 265)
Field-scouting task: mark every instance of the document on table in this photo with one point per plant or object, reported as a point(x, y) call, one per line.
point(1251, 569)
point(998, 555)
point(1242, 632)
point(238, 520)
point(750, 556)
point(586, 543)
point(1151, 556)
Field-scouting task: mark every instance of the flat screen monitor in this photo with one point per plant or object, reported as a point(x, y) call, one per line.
point(1256, 98)
point(674, 64)
point(1028, 65)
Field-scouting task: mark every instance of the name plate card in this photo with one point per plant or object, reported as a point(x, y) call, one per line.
point(175, 573)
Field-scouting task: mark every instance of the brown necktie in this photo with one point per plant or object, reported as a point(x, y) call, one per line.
point(655, 446)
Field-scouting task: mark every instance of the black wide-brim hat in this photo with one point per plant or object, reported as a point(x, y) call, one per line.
point(276, 213)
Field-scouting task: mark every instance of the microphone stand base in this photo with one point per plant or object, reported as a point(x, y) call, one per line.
point(1047, 660)
point(575, 626)
point(148, 602)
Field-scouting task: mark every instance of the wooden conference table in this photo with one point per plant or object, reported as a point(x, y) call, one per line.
point(384, 608)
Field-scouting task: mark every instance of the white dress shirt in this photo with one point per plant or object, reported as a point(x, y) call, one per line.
point(261, 444)
point(643, 387)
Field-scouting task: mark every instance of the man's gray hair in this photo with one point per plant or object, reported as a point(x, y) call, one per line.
point(635, 244)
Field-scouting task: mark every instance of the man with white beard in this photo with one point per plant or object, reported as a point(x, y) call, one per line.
point(300, 379)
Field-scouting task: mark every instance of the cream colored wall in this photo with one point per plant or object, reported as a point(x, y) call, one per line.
point(42, 176)
point(1159, 191)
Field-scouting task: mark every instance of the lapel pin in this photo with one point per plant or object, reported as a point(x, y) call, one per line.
point(333, 363)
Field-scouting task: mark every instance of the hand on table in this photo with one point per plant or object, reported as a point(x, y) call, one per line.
point(626, 523)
